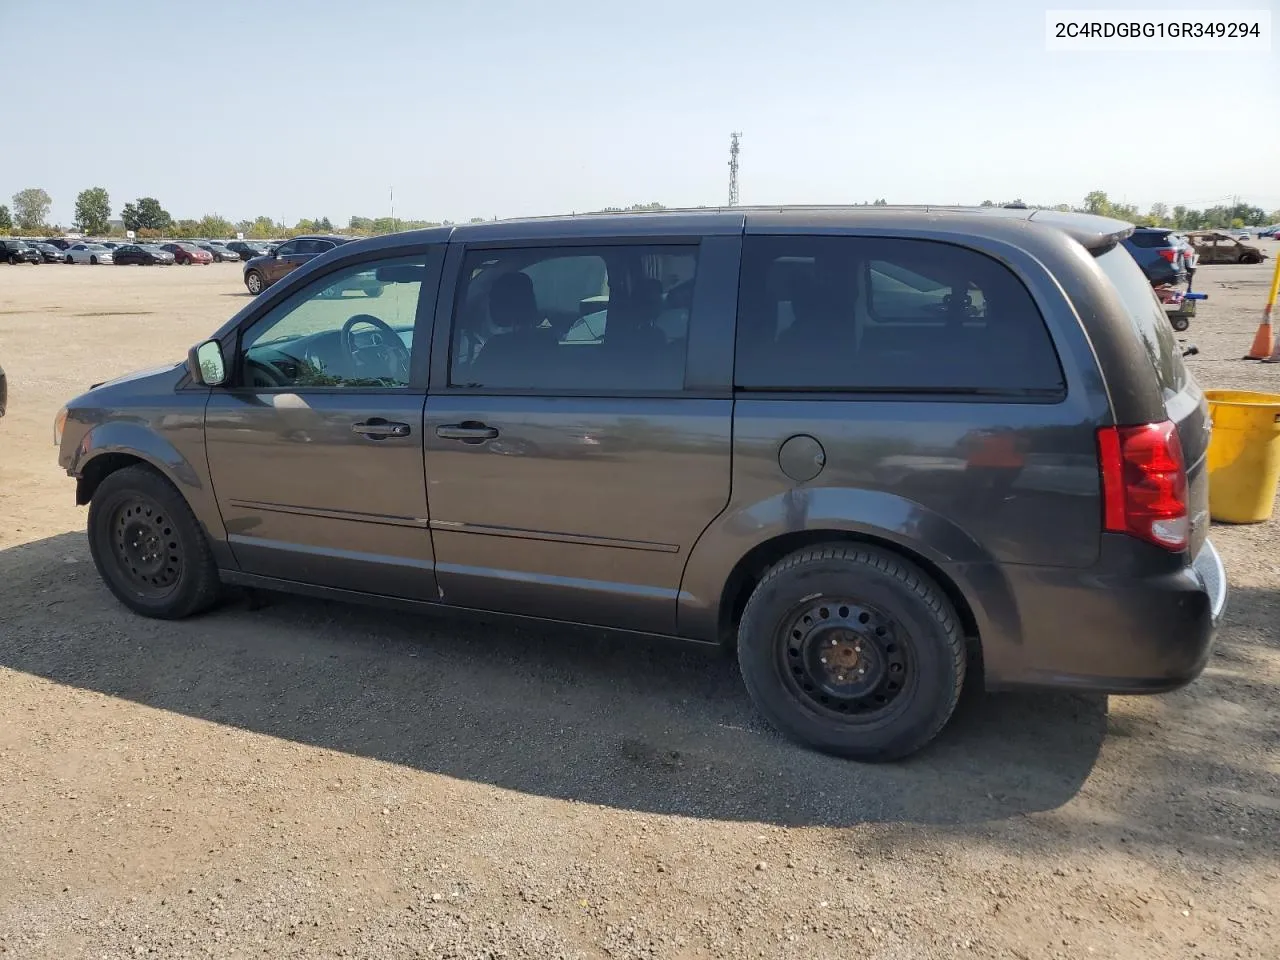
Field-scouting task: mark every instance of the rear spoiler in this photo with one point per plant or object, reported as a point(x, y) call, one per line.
point(1096, 234)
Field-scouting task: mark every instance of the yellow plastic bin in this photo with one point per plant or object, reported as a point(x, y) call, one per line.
point(1244, 455)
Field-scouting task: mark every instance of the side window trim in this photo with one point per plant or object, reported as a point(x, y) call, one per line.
point(423, 328)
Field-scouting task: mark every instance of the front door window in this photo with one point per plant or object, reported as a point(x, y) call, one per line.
point(353, 328)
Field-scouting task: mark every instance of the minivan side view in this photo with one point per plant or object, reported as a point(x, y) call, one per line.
point(882, 452)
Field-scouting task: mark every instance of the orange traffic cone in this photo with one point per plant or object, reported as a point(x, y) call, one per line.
point(1264, 345)
point(1275, 354)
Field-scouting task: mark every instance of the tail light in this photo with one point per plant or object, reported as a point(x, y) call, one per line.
point(1170, 255)
point(1144, 484)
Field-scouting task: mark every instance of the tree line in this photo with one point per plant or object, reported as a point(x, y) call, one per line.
point(1221, 217)
point(149, 219)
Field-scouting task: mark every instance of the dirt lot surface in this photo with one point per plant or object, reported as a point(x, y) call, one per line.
point(315, 780)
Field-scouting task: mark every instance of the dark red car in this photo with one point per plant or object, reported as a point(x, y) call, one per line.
point(188, 253)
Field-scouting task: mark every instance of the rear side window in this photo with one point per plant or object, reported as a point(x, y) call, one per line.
point(887, 315)
point(606, 318)
point(1143, 239)
point(1148, 317)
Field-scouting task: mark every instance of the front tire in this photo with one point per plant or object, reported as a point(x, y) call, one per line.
point(69, 260)
point(148, 547)
point(853, 651)
point(93, 261)
point(253, 282)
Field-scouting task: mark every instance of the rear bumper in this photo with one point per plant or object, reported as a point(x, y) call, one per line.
point(1162, 273)
point(1111, 629)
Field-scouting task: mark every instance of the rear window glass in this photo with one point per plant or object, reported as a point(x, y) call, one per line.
point(877, 314)
point(1141, 239)
point(1148, 317)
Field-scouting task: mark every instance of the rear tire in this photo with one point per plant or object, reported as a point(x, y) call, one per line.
point(148, 546)
point(93, 261)
point(853, 651)
point(1180, 324)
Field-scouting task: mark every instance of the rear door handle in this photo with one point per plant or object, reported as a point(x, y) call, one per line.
point(468, 431)
point(377, 428)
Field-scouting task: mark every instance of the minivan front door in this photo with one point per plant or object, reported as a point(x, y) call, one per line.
point(315, 451)
point(570, 470)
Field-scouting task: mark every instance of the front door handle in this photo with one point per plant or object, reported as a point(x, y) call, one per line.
point(468, 431)
point(377, 428)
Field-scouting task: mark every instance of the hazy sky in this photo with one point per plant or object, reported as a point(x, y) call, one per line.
point(497, 107)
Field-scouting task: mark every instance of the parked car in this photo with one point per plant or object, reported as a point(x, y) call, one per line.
point(247, 249)
point(867, 458)
point(60, 242)
point(219, 252)
point(93, 253)
point(142, 254)
point(1268, 232)
point(1160, 255)
point(1214, 246)
point(1188, 253)
point(187, 253)
point(48, 252)
point(18, 251)
point(261, 272)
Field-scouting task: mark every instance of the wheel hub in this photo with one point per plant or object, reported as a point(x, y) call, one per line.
point(844, 657)
point(143, 545)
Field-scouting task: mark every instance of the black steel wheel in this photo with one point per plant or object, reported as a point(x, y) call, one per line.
point(148, 547)
point(852, 650)
point(1179, 323)
point(843, 658)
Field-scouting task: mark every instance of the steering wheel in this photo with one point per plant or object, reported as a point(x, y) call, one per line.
point(263, 374)
point(389, 351)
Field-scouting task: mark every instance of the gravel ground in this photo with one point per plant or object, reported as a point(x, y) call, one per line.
point(315, 780)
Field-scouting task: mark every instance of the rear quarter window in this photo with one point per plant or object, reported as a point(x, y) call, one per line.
point(872, 314)
point(1147, 316)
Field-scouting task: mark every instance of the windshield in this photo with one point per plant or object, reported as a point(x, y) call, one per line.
point(1148, 316)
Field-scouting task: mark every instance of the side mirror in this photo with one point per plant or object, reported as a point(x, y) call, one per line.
point(207, 365)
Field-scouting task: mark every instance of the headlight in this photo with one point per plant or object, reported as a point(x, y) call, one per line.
point(59, 423)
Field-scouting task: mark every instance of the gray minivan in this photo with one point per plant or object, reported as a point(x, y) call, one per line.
point(878, 450)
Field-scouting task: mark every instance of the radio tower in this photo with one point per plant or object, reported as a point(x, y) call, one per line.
point(733, 168)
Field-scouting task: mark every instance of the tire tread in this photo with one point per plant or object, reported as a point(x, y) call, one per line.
point(200, 565)
point(914, 580)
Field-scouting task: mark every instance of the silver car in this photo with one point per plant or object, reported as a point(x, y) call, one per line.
point(93, 253)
